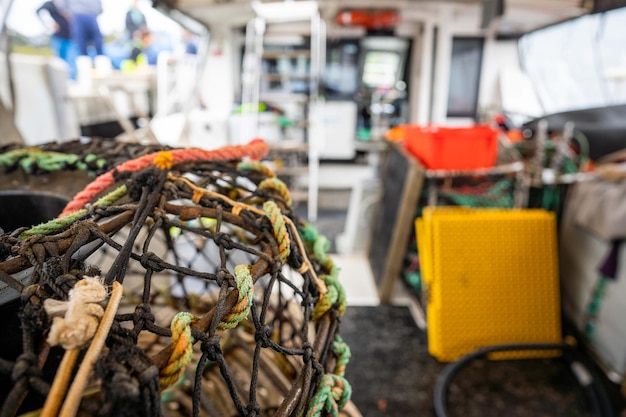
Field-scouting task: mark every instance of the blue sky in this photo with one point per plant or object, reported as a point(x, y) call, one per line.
point(24, 19)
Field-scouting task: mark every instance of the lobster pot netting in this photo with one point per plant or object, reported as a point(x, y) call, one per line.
point(180, 283)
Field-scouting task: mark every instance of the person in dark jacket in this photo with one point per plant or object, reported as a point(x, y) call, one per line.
point(84, 24)
point(135, 21)
point(61, 39)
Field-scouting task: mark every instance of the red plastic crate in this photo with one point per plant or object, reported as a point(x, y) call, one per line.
point(452, 148)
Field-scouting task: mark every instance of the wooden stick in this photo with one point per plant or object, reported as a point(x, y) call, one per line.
point(60, 383)
point(74, 396)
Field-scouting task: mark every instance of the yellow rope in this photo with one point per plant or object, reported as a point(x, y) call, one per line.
point(278, 226)
point(182, 341)
point(277, 185)
point(241, 310)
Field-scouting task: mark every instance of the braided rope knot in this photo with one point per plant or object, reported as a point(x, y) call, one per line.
point(332, 394)
point(212, 348)
point(82, 313)
point(244, 301)
point(279, 227)
point(275, 184)
point(150, 260)
point(25, 366)
point(32, 300)
point(334, 391)
point(343, 354)
point(336, 295)
point(143, 314)
point(182, 341)
point(262, 336)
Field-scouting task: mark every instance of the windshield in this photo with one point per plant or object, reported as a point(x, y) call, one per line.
point(578, 64)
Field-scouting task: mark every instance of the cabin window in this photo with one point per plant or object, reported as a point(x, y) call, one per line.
point(465, 64)
point(578, 64)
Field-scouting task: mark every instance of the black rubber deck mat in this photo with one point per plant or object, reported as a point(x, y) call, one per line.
point(392, 374)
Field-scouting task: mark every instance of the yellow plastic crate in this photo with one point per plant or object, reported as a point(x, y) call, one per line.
point(491, 278)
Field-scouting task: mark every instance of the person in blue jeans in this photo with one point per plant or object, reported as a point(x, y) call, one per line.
point(84, 24)
point(61, 38)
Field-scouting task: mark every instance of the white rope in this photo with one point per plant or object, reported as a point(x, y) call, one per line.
point(82, 314)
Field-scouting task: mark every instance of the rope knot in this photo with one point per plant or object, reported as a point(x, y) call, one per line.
point(151, 373)
point(343, 354)
point(241, 310)
point(25, 366)
point(33, 312)
point(224, 240)
point(212, 348)
point(221, 275)
point(253, 410)
point(66, 282)
point(33, 294)
point(150, 260)
point(335, 296)
point(308, 353)
point(277, 265)
point(81, 314)
point(143, 314)
point(120, 336)
point(262, 336)
point(53, 267)
point(149, 178)
point(332, 394)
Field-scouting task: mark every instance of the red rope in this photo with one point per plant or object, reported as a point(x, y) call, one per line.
point(256, 149)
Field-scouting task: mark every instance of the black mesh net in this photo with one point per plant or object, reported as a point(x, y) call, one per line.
point(180, 283)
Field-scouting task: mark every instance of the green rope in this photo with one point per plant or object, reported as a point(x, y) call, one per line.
point(334, 391)
point(318, 244)
point(336, 295)
point(321, 246)
point(593, 308)
point(343, 354)
point(241, 310)
point(58, 224)
point(332, 394)
point(31, 158)
point(326, 301)
point(12, 157)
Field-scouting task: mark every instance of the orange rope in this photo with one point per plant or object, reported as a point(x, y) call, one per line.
point(256, 149)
